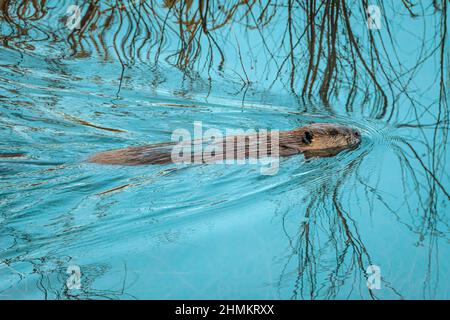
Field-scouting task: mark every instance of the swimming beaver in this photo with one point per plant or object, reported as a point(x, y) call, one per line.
point(314, 140)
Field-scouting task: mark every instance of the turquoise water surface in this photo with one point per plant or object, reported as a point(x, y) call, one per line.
point(70, 229)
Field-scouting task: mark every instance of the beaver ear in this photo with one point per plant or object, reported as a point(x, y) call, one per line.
point(307, 137)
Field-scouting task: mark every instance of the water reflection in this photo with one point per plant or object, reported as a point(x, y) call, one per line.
point(134, 71)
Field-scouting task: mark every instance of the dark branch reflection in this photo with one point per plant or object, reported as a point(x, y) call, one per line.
point(321, 50)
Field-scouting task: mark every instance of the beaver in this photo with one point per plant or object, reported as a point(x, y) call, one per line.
point(313, 140)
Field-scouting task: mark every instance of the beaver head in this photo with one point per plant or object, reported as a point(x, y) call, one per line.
point(324, 139)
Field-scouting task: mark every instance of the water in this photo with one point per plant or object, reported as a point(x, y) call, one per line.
point(209, 231)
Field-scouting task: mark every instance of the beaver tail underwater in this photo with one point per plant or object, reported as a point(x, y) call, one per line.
point(314, 140)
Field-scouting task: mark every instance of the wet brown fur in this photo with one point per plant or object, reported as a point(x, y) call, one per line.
point(314, 140)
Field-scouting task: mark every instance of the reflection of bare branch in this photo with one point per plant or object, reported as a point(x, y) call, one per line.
point(342, 234)
point(322, 53)
point(49, 276)
point(431, 174)
point(335, 58)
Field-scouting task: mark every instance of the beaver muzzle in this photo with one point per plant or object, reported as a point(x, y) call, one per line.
point(354, 139)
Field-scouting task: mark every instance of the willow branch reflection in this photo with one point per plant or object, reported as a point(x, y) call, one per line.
point(322, 50)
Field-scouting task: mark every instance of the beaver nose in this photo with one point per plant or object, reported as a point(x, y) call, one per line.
point(354, 137)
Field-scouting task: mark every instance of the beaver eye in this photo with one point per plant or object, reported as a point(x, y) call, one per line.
point(307, 137)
